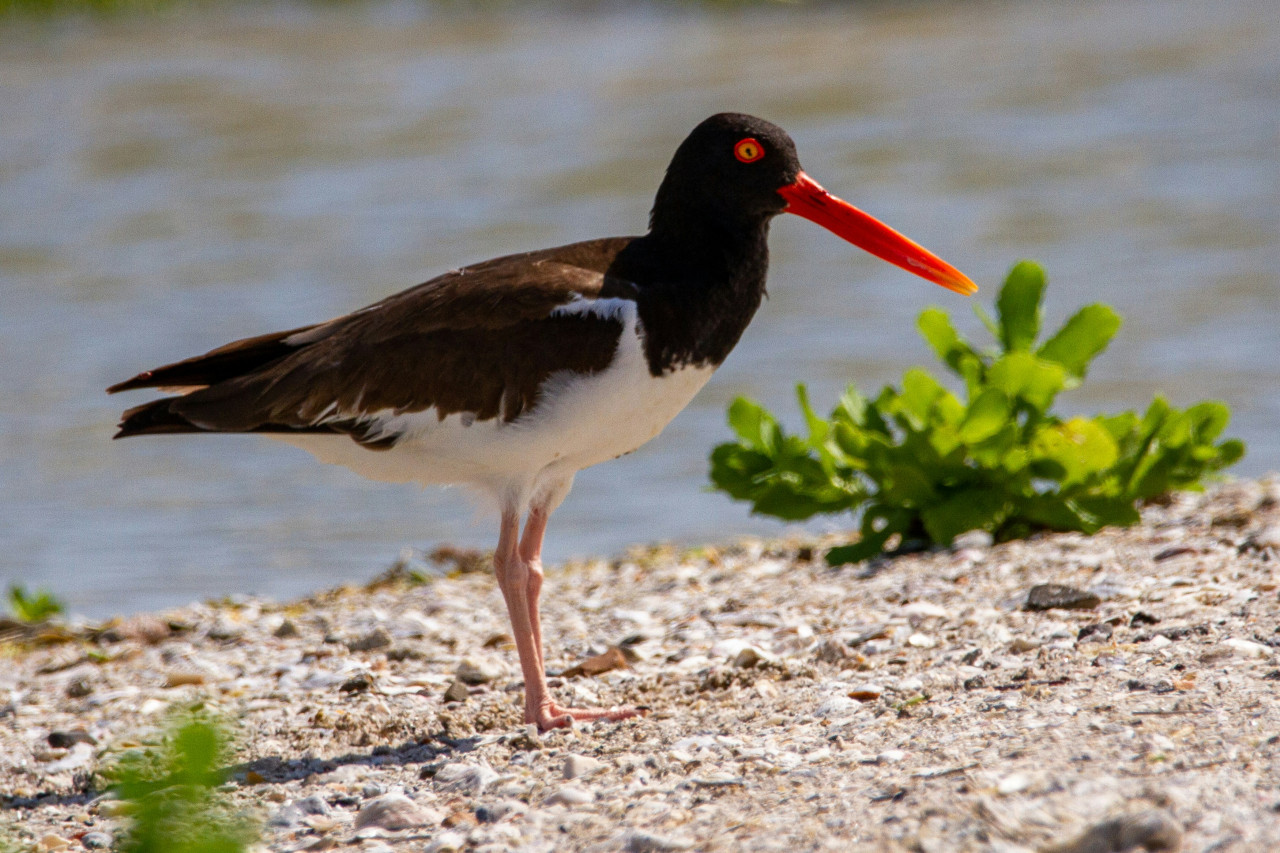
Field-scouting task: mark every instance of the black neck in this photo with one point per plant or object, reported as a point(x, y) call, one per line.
point(700, 280)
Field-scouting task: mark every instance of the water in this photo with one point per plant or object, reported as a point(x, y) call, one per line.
point(169, 184)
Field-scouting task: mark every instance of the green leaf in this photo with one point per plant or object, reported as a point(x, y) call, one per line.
point(1019, 306)
point(935, 327)
point(988, 413)
point(1083, 449)
point(1081, 338)
point(818, 428)
point(753, 423)
point(979, 508)
point(1022, 376)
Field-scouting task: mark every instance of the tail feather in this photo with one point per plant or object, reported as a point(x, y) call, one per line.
point(154, 418)
point(227, 362)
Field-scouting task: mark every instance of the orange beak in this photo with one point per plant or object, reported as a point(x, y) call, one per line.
point(807, 198)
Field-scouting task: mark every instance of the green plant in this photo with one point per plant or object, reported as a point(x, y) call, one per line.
point(172, 792)
point(921, 465)
point(33, 606)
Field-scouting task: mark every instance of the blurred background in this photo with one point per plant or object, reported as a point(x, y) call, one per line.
point(175, 177)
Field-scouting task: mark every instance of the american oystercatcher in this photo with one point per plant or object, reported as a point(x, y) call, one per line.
point(514, 374)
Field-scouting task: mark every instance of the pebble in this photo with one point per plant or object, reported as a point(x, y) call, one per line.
point(925, 609)
point(1150, 830)
point(446, 842)
point(577, 766)
point(457, 691)
point(570, 795)
point(479, 670)
point(973, 539)
point(1048, 596)
point(395, 812)
point(286, 630)
point(494, 812)
point(292, 815)
point(891, 756)
point(1014, 783)
point(1247, 648)
point(646, 842)
point(375, 639)
point(464, 778)
point(1267, 537)
point(96, 840)
point(51, 842)
point(837, 706)
point(65, 740)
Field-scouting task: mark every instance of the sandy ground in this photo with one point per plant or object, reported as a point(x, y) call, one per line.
point(912, 703)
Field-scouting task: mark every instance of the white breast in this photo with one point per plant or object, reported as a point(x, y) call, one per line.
point(579, 420)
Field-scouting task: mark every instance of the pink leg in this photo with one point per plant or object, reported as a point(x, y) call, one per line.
point(518, 565)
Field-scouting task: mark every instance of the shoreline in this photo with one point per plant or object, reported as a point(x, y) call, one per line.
point(910, 702)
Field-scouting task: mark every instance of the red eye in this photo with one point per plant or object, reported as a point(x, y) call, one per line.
point(748, 150)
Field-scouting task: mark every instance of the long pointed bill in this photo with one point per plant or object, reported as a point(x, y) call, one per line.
point(808, 199)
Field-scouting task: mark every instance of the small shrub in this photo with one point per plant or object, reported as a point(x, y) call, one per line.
point(33, 606)
point(172, 793)
point(921, 465)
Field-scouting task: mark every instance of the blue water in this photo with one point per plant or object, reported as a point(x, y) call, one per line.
point(168, 184)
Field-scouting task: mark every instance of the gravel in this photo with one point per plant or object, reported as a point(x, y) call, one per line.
point(911, 703)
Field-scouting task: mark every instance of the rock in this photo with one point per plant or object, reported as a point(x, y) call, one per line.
point(68, 739)
point(922, 641)
point(833, 651)
point(51, 842)
point(224, 630)
point(1152, 830)
point(286, 630)
point(446, 842)
point(80, 755)
point(1014, 783)
point(645, 842)
point(925, 609)
point(182, 678)
point(748, 657)
point(972, 539)
point(577, 766)
point(836, 706)
point(457, 691)
point(96, 840)
point(358, 683)
point(395, 812)
point(891, 756)
point(79, 688)
point(292, 815)
point(494, 812)
point(1047, 596)
point(479, 671)
point(375, 639)
point(1099, 632)
point(372, 790)
point(607, 661)
point(1247, 648)
point(464, 778)
point(1267, 537)
point(570, 795)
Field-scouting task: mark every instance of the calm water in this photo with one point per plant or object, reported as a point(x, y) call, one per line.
point(168, 185)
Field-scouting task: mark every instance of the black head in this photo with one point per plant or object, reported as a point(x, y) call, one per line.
point(729, 168)
point(735, 172)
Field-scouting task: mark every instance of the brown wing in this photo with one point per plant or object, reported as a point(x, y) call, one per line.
point(481, 339)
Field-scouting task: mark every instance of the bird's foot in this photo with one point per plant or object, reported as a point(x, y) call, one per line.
point(553, 716)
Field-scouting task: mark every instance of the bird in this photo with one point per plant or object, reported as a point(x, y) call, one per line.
point(513, 374)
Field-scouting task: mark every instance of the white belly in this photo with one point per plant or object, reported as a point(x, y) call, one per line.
point(579, 420)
